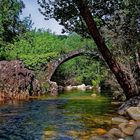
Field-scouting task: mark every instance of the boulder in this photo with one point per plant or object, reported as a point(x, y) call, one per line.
point(81, 87)
point(136, 135)
point(68, 88)
point(118, 120)
point(128, 128)
point(116, 133)
point(88, 87)
point(74, 87)
point(133, 102)
point(93, 95)
point(134, 113)
point(138, 123)
point(17, 81)
point(53, 88)
point(60, 88)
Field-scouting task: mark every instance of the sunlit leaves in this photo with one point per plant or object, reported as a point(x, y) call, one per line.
point(40, 47)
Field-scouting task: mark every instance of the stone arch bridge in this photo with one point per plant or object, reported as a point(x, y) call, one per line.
point(53, 65)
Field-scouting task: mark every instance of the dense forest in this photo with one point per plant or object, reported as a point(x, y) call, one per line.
point(36, 48)
point(118, 23)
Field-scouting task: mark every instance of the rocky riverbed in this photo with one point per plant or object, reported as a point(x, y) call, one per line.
point(125, 127)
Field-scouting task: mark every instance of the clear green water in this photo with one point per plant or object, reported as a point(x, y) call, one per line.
point(75, 115)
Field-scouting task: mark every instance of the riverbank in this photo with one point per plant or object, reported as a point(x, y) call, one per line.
point(125, 128)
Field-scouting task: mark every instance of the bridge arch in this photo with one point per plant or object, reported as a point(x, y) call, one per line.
point(53, 65)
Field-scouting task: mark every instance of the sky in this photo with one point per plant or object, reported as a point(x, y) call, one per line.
point(31, 7)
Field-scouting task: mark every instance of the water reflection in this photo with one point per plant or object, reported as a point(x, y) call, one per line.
point(56, 119)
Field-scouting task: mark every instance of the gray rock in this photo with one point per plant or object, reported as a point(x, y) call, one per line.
point(138, 123)
point(128, 128)
point(136, 135)
point(133, 102)
point(134, 113)
point(81, 87)
point(68, 88)
point(53, 88)
point(16, 81)
point(116, 133)
point(60, 88)
point(88, 87)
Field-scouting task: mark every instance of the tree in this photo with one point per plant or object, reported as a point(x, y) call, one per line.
point(75, 14)
point(10, 23)
point(125, 37)
point(11, 26)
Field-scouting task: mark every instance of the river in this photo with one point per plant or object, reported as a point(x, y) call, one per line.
point(76, 115)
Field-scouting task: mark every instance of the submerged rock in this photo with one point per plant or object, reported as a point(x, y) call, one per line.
point(81, 135)
point(100, 131)
point(129, 138)
point(118, 120)
point(16, 81)
point(49, 134)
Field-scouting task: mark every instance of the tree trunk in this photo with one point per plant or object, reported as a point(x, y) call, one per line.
point(130, 89)
point(138, 68)
point(138, 59)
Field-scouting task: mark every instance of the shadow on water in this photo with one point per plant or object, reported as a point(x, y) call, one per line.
point(75, 115)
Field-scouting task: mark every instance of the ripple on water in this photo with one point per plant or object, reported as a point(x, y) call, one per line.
point(62, 118)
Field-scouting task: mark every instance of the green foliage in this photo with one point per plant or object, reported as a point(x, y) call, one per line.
point(37, 48)
point(67, 14)
point(11, 26)
point(94, 83)
point(10, 23)
point(125, 36)
point(79, 70)
point(35, 61)
point(119, 21)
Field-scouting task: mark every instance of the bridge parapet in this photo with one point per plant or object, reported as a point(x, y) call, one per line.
point(53, 65)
